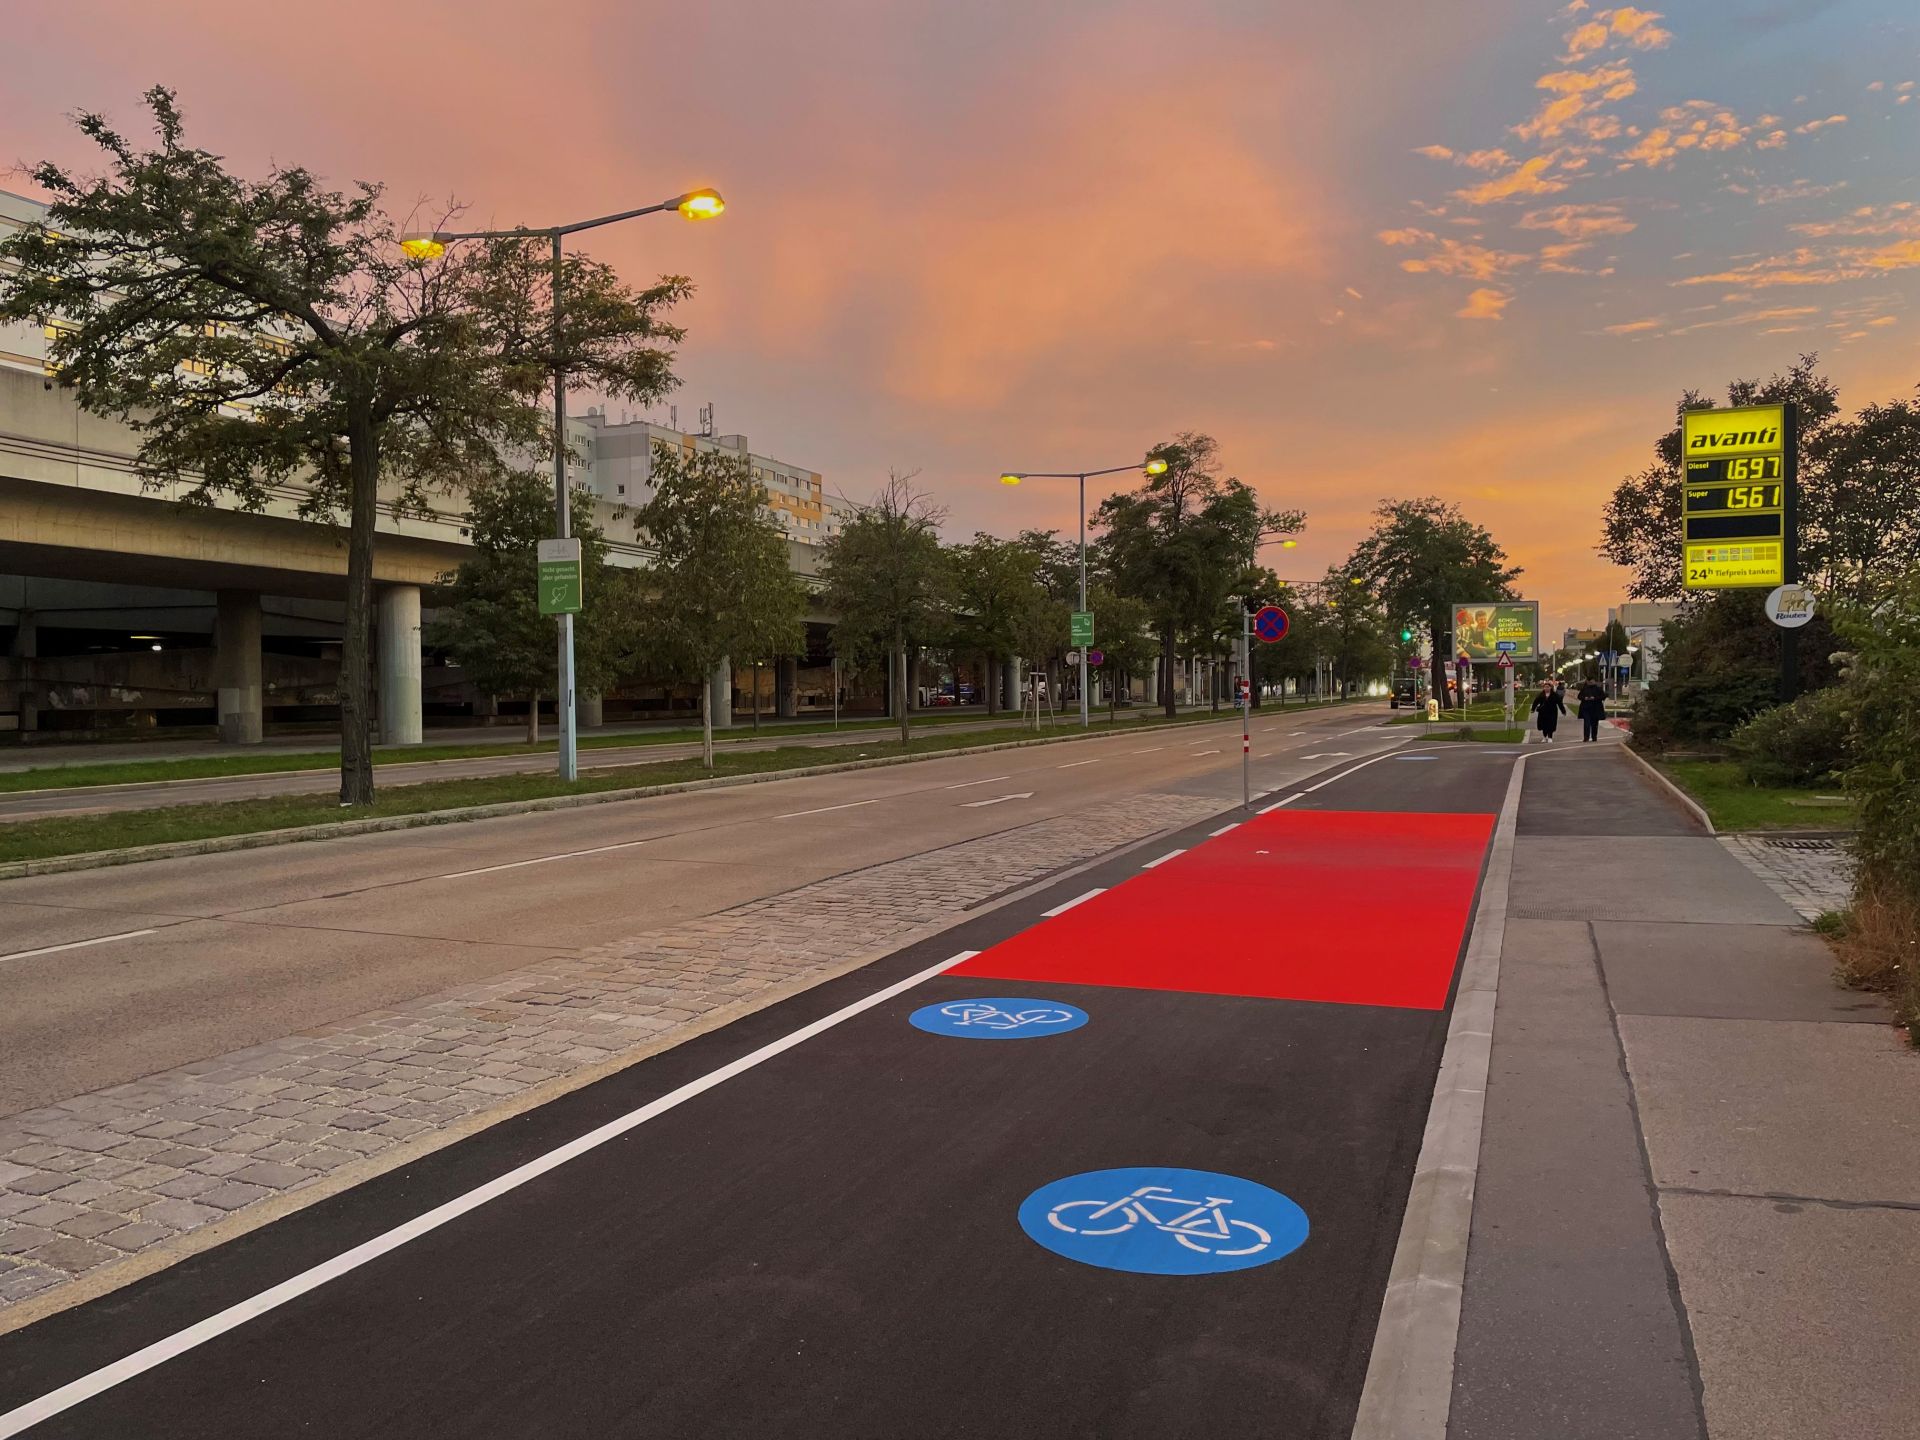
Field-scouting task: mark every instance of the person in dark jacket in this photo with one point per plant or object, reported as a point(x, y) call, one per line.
point(1548, 707)
point(1593, 709)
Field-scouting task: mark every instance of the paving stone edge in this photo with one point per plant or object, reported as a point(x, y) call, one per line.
point(334, 829)
point(108, 1278)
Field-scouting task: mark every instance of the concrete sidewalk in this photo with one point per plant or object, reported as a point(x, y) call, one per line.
point(1698, 1204)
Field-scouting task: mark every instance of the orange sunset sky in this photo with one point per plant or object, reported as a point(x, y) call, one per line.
point(1378, 248)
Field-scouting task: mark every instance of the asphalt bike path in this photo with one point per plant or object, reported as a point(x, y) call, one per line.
point(1127, 1157)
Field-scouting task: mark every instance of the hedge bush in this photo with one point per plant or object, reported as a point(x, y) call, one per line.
point(1884, 684)
point(1804, 743)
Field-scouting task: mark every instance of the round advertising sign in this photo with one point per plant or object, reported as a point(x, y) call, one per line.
point(1790, 606)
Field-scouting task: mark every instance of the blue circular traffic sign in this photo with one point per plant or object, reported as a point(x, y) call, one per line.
point(1157, 1220)
point(1270, 623)
point(999, 1018)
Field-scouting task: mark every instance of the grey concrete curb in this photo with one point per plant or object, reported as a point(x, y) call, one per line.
point(1691, 805)
point(1409, 1385)
point(258, 839)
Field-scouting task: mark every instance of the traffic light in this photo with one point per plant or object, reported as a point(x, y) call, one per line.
point(1405, 634)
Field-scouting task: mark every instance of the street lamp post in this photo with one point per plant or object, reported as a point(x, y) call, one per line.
point(1155, 466)
point(695, 205)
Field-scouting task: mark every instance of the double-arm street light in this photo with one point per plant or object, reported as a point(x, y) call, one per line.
point(431, 245)
point(1155, 466)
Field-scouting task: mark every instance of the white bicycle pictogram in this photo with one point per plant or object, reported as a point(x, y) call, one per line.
point(991, 1017)
point(1197, 1224)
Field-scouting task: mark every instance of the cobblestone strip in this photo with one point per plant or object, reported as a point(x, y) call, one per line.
point(1813, 876)
point(104, 1176)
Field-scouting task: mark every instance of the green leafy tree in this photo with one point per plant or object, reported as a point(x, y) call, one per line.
point(887, 579)
point(1420, 558)
point(721, 583)
point(491, 623)
point(1641, 527)
point(994, 584)
point(1860, 502)
point(1357, 631)
point(1181, 540)
point(1125, 639)
point(260, 333)
point(1720, 666)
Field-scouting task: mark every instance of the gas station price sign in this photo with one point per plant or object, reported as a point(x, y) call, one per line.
point(1737, 496)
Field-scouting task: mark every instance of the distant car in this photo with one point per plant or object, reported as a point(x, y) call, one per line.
point(1405, 692)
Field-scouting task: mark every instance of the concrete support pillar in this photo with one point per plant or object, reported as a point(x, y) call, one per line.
point(236, 667)
point(26, 646)
point(589, 711)
point(400, 715)
point(721, 685)
point(786, 687)
point(1010, 691)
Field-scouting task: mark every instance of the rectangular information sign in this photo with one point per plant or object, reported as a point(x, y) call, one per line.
point(1737, 476)
point(1486, 630)
point(559, 583)
point(1082, 627)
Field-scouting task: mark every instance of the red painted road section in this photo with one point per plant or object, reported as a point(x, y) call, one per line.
point(1346, 907)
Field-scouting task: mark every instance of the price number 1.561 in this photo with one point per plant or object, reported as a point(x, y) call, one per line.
point(1753, 497)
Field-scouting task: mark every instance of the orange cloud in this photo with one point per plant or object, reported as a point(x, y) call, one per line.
point(1813, 126)
point(1530, 178)
point(1463, 259)
point(1435, 152)
point(1633, 327)
point(1578, 222)
point(1484, 305)
point(1404, 237)
point(1638, 28)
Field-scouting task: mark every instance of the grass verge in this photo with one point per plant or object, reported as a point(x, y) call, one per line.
point(1723, 791)
point(80, 834)
point(1877, 947)
point(1482, 710)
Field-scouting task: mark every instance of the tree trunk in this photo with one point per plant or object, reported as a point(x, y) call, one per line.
point(356, 671)
point(1166, 669)
point(990, 668)
point(1442, 665)
point(533, 718)
point(756, 697)
point(899, 667)
point(706, 720)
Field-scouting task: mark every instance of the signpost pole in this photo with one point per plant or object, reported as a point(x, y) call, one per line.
point(1790, 526)
point(1246, 707)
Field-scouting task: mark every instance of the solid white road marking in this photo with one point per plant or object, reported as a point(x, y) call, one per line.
point(1067, 905)
point(77, 944)
point(1076, 764)
point(850, 805)
point(1235, 825)
point(1329, 755)
point(1288, 800)
point(107, 1376)
point(969, 784)
point(1198, 753)
point(998, 799)
point(1164, 858)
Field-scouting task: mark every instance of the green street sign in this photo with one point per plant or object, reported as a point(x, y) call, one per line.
point(1082, 627)
point(560, 585)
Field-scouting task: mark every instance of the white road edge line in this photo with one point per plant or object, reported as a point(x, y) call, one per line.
point(1066, 905)
point(1409, 1385)
point(77, 944)
point(1164, 858)
point(106, 1377)
point(1284, 800)
point(968, 784)
point(1230, 825)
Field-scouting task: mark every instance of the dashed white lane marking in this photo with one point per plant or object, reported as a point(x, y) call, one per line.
point(968, 784)
point(850, 805)
point(1198, 753)
point(1164, 858)
point(76, 944)
point(1223, 829)
point(1067, 905)
point(54, 1402)
point(538, 860)
point(1148, 751)
point(1287, 800)
point(1076, 764)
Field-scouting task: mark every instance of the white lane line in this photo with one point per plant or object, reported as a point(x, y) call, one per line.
point(537, 860)
point(1223, 829)
point(968, 784)
point(1075, 765)
point(850, 805)
point(76, 944)
point(1067, 905)
point(1198, 753)
point(1286, 800)
point(1148, 751)
point(1349, 771)
point(54, 1402)
point(1164, 858)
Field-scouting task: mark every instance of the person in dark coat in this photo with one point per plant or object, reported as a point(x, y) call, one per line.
point(1548, 707)
point(1593, 709)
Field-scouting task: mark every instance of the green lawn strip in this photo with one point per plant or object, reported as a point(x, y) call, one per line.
point(42, 839)
point(1733, 804)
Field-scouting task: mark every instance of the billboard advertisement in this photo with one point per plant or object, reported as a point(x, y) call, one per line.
point(1484, 630)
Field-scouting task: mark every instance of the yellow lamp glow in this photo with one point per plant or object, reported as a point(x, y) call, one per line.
point(1355, 580)
point(1010, 479)
point(1156, 466)
point(422, 247)
point(701, 204)
point(1289, 544)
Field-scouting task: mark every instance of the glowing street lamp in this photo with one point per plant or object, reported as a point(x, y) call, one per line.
point(423, 247)
point(1154, 465)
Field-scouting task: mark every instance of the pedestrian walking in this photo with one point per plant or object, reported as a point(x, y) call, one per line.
point(1593, 709)
point(1548, 707)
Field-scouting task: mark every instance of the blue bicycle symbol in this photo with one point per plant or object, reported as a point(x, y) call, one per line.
point(1162, 1221)
point(998, 1019)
